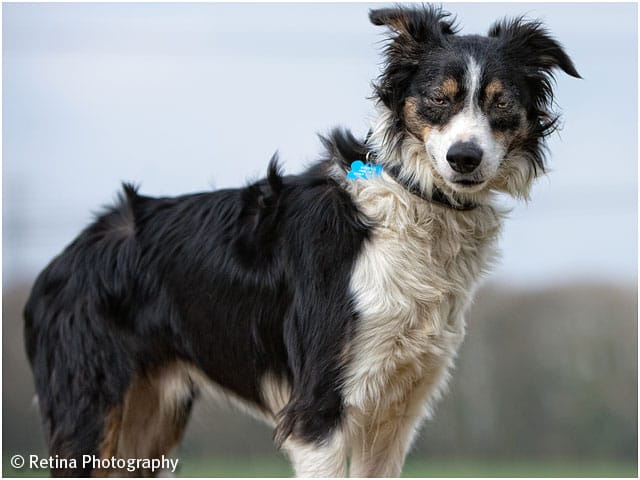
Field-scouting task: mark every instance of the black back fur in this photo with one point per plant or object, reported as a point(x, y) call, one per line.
point(237, 282)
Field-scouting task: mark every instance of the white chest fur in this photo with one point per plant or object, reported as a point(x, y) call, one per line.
point(412, 284)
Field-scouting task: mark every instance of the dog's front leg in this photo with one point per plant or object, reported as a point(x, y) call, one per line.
point(379, 449)
point(382, 437)
point(327, 458)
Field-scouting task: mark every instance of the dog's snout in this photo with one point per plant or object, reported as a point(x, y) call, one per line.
point(464, 157)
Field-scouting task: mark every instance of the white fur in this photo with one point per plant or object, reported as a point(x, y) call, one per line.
point(412, 283)
point(470, 124)
point(174, 384)
point(379, 443)
point(327, 459)
point(276, 392)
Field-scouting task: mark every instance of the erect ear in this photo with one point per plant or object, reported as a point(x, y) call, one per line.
point(418, 23)
point(530, 42)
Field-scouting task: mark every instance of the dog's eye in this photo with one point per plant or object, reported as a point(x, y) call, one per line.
point(440, 101)
point(502, 104)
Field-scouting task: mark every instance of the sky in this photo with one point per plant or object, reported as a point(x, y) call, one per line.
point(182, 98)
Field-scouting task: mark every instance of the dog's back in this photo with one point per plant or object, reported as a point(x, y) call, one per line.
point(222, 285)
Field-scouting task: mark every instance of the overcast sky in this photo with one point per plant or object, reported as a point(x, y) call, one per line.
point(185, 97)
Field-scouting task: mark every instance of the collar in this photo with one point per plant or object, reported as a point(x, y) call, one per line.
point(438, 196)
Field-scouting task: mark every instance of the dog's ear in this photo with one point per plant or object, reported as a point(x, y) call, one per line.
point(529, 42)
point(421, 24)
point(415, 31)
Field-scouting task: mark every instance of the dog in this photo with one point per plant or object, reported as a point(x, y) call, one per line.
point(330, 303)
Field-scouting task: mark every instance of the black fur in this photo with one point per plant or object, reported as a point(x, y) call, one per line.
point(417, 31)
point(236, 282)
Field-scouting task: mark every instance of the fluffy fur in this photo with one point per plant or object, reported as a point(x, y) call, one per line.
point(331, 308)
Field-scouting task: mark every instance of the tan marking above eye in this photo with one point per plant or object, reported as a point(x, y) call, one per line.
point(493, 88)
point(449, 87)
point(416, 125)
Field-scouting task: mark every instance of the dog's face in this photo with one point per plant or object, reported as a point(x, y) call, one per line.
point(479, 104)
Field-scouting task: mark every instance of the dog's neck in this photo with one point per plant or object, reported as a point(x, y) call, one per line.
point(436, 195)
point(406, 160)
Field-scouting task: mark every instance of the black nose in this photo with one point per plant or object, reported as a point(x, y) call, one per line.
point(464, 157)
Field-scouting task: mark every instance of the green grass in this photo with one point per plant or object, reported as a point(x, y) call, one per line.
point(414, 468)
point(278, 467)
point(478, 468)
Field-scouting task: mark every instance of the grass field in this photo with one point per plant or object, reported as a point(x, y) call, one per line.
point(255, 467)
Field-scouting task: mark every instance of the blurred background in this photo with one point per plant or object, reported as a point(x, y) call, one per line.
point(188, 97)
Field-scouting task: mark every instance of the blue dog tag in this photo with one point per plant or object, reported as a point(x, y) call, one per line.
point(364, 171)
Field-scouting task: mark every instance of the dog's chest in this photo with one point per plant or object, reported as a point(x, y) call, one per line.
point(412, 284)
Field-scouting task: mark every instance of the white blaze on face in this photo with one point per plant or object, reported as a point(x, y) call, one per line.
point(468, 125)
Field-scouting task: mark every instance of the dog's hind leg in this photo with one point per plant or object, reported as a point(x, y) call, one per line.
point(74, 435)
point(151, 420)
point(81, 374)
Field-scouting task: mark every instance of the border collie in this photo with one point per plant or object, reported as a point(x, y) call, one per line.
point(330, 303)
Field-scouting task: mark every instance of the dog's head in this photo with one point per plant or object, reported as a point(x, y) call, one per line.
point(480, 105)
